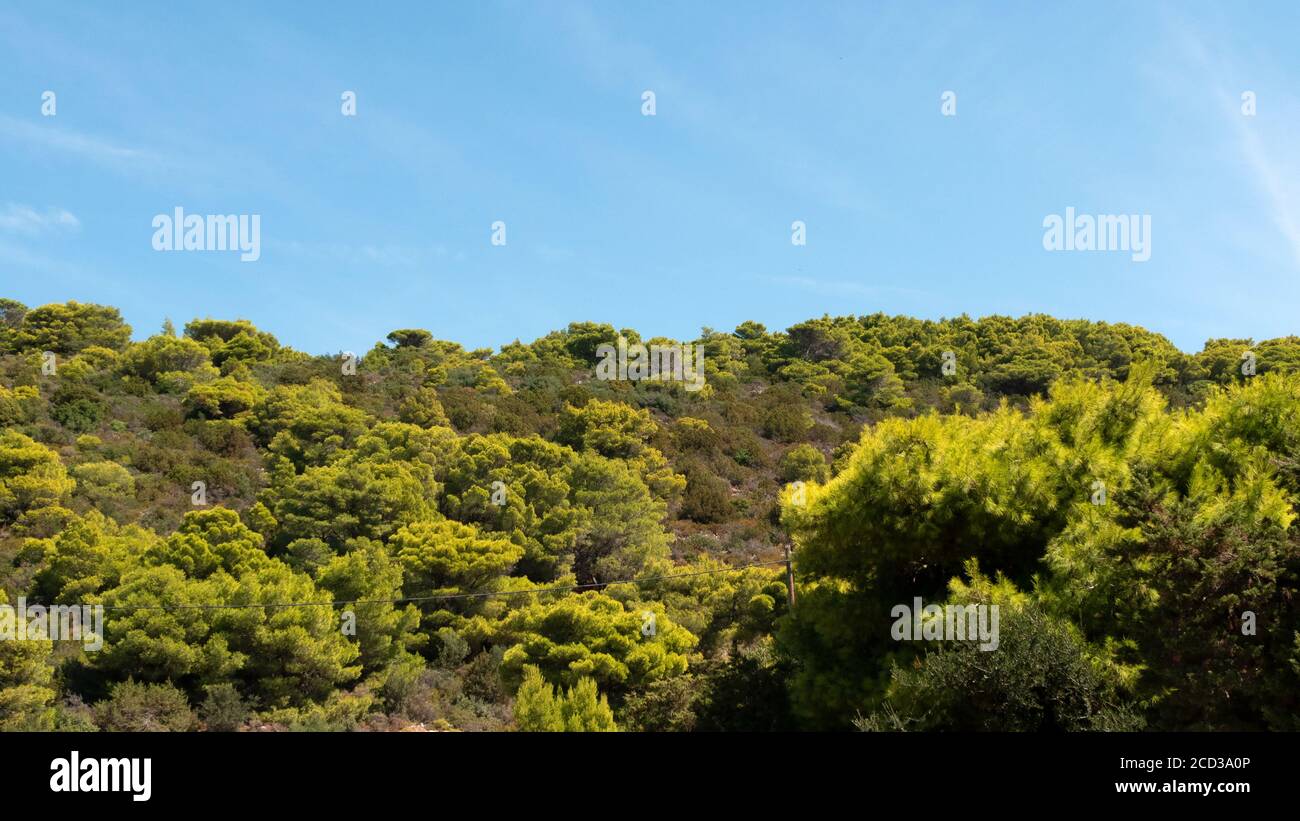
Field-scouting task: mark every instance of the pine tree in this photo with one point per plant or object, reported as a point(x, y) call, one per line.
point(582, 709)
point(536, 708)
point(585, 710)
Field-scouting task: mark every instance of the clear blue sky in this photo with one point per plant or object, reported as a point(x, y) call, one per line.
point(470, 112)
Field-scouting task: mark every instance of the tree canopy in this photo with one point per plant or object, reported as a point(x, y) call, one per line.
point(497, 539)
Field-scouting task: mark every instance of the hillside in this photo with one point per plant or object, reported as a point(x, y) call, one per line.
point(195, 481)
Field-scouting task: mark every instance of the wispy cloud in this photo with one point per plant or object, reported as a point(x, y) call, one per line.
point(27, 234)
point(553, 253)
point(24, 219)
point(785, 153)
point(17, 257)
point(824, 287)
point(1272, 165)
point(1269, 171)
point(384, 255)
point(85, 146)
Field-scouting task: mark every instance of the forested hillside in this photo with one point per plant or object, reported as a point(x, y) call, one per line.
point(320, 542)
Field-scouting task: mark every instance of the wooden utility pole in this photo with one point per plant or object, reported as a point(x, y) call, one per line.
point(789, 576)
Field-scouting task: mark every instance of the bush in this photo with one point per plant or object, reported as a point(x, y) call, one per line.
point(104, 482)
point(804, 463)
point(787, 423)
point(707, 499)
point(539, 709)
point(76, 407)
point(1039, 679)
point(145, 708)
point(223, 710)
point(223, 398)
point(423, 408)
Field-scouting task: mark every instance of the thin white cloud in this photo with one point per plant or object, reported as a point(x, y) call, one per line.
point(389, 255)
point(625, 65)
point(51, 137)
point(24, 219)
point(1272, 166)
point(825, 287)
point(553, 253)
point(1269, 172)
point(18, 257)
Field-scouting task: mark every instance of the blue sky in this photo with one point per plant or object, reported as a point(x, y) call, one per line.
point(530, 113)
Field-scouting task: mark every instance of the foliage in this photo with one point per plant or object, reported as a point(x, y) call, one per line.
point(145, 708)
point(480, 539)
point(580, 709)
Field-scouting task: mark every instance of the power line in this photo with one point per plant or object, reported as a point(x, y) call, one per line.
point(443, 597)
